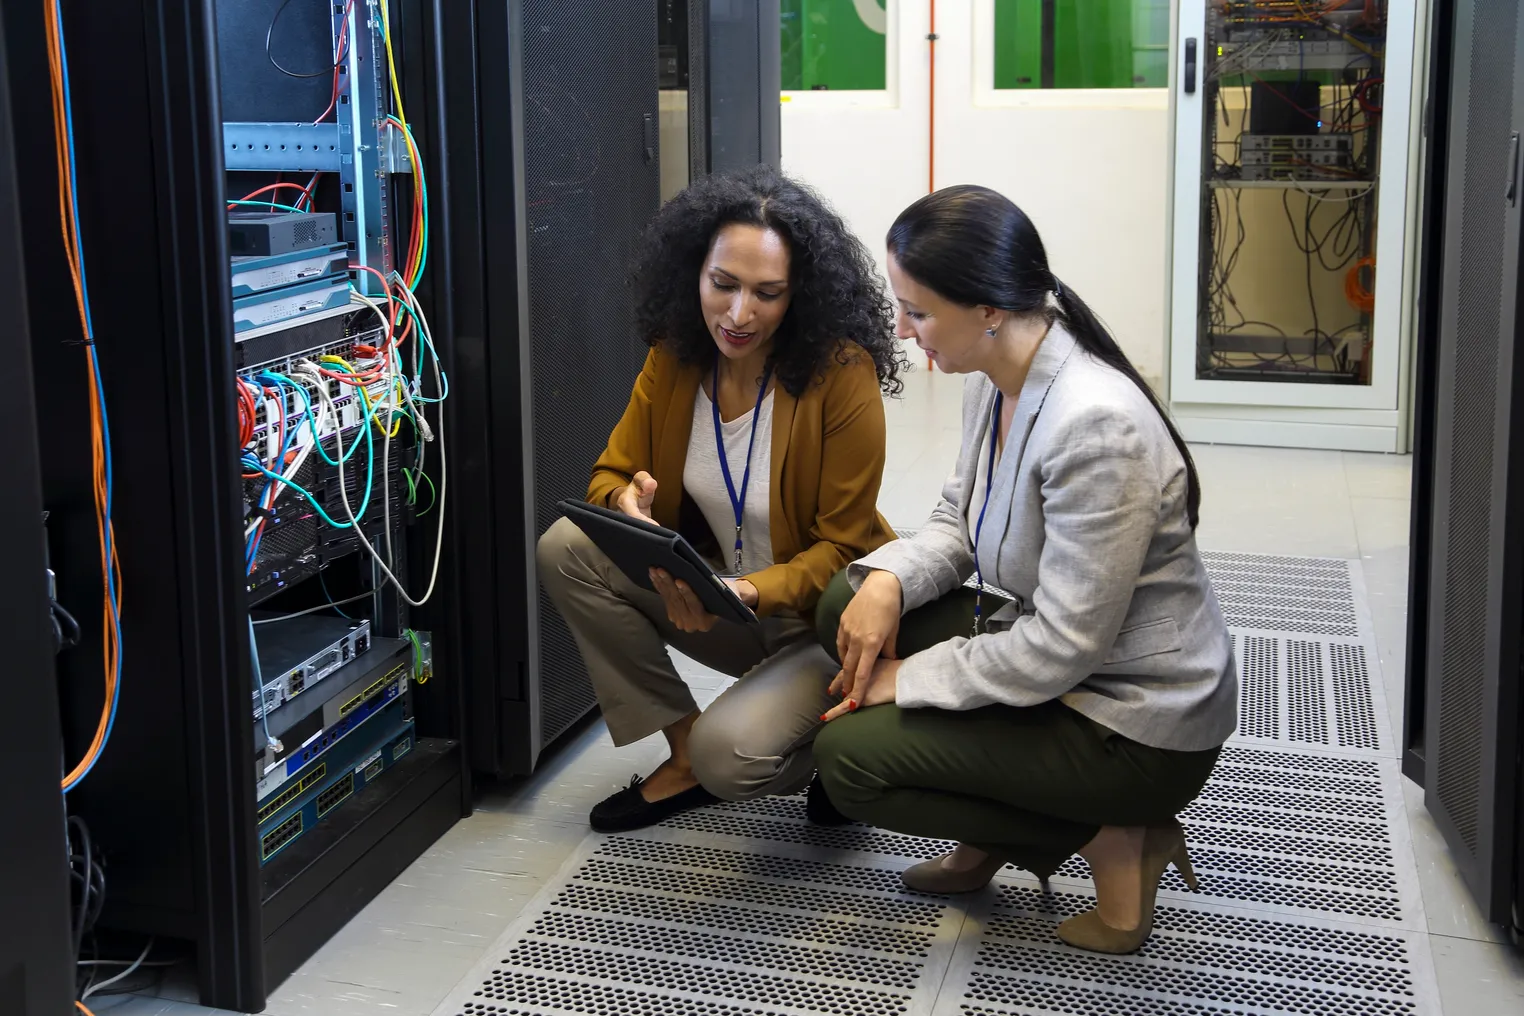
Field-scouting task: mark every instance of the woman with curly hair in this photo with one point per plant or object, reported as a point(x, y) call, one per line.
point(756, 429)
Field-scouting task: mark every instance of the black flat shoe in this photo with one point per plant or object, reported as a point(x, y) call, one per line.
point(818, 807)
point(628, 810)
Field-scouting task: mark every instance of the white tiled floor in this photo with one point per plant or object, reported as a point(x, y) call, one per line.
point(411, 946)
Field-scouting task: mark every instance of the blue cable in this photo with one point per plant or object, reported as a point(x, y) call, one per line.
point(312, 422)
point(259, 682)
point(370, 459)
point(323, 581)
point(108, 535)
point(266, 204)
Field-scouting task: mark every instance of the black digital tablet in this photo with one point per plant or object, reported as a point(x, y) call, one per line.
point(636, 546)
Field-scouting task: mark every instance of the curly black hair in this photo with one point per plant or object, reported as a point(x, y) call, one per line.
point(837, 297)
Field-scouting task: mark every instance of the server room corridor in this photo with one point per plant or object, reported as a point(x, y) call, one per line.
point(1326, 888)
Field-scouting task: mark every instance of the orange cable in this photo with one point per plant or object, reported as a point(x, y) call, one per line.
point(110, 565)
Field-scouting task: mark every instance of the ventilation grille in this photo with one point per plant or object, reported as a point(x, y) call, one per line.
point(589, 192)
point(304, 232)
point(1311, 596)
point(1304, 651)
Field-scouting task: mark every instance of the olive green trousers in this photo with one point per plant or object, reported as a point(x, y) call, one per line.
point(1030, 784)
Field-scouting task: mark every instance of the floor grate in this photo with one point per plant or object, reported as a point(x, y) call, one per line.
point(1308, 900)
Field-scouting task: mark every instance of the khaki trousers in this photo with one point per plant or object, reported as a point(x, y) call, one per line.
point(756, 738)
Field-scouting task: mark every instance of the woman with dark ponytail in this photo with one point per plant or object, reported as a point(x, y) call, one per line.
point(1084, 709)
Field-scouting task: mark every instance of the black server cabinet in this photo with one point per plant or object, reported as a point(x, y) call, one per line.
point(36, 955)
point(171, 801)
point(1429, 281)
point(1464, 721)
point(550, 109)
point(735, 74)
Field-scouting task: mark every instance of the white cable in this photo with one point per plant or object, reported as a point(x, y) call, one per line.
point(301, 455)
point(1348, 196)
point(444, 478)
point(314, 610)
point(95, 988)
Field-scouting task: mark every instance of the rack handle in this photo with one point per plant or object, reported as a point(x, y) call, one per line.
point(1511, 194)
point(1190, 66)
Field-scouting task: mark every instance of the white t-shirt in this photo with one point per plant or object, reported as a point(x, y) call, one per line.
point(705, 483)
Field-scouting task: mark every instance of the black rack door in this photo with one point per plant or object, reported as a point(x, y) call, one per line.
point(551, 188)
point(36, 962)
point(1476, 613)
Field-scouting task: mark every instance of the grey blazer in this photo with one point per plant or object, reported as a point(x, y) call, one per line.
point(1114, 614)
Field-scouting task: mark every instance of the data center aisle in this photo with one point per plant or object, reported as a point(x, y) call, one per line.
point(1326, 888)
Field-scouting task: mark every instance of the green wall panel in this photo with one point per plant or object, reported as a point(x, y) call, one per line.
point(826, 45)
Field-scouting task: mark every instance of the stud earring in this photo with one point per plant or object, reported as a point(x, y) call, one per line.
point(990, 332)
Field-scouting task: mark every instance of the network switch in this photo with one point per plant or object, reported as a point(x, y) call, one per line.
point(296, 653)
point(261, 274)
point(262, 234)
point(1296, 142)
point(305, 738)
point(289, 303)
point(392, 738)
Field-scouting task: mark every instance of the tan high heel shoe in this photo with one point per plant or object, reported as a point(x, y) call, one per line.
point(1163, 845)
point(931, 877)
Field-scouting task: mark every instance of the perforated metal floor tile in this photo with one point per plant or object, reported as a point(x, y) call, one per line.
point(1201, 959)
point(677, 922)
point(1308, 901)
point(1306, 652)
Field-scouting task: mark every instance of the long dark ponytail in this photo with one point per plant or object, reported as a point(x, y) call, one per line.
point(974, 247)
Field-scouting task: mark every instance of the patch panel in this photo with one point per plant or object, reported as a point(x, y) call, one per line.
point(348, 409)
point(317, 805)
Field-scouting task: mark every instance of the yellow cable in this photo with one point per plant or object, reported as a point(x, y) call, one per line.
point(391, 61)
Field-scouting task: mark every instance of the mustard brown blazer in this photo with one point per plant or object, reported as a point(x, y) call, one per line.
point(827, 466)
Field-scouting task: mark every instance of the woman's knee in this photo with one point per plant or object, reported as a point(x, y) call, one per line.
point(559, 546)
point(833, 602)
point(844, 759)
point(727, 762)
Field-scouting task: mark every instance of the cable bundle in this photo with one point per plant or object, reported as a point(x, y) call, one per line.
point(100, 433)
point(387, 393)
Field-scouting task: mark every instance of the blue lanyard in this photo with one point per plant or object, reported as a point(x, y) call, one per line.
point(989, 485)
point(737, 504)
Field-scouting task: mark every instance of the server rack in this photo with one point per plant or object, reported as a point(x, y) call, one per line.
point(551, 111)
point(1465, 720)
point(36, 961)
point(172, 798)
point(1429, 280)
point(735, 75)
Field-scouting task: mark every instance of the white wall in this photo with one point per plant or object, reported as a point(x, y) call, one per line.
point(1089, 167)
